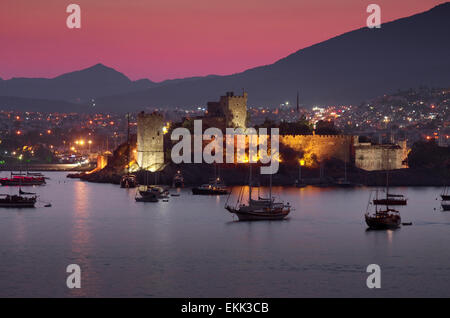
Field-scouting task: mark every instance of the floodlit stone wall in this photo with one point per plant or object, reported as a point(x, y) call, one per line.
point(150, 141)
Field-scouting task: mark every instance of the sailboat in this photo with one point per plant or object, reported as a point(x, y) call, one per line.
point(148, 193)
point(445, 199)
point(384, 218)
point(129, 180)
point(260, 209)
point(22, 200)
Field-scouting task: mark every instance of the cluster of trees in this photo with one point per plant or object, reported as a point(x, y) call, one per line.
point(427, 154)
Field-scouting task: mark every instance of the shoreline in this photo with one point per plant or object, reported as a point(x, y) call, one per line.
point(237, 175)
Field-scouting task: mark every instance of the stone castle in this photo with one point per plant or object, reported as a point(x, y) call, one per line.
point(231, 111)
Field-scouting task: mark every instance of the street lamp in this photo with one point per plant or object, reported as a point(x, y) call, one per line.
point(301, 163)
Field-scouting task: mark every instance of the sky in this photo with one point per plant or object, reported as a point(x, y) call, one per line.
point(165, 39)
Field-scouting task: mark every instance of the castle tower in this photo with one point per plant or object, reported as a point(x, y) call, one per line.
point(235, 109)
point(150, 141)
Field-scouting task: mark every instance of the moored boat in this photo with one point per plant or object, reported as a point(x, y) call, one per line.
point(445, 199)
point(213, 187)
point(17, 201)
point(391, 199)
point(160, 192)
point(260, 209)
point(18, 180)
point(383, 219)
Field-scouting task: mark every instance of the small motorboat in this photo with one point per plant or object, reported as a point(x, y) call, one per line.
point(213, 187)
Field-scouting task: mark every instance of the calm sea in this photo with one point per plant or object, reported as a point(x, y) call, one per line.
point(192, 247)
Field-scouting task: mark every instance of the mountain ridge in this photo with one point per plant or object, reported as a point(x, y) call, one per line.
point(349, 68)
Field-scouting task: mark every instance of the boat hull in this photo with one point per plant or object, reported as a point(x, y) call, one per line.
point(147, 198)
point(21, 183)
point(260, 216)
point(18, 205)
point(379, 223)
point(198, 191)
point(389, 202)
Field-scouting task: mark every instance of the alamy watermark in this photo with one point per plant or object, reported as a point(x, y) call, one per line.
point(213, 152)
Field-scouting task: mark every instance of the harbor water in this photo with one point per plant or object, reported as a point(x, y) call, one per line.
point(191, 246)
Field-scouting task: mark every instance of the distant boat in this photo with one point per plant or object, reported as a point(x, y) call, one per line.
point(160, 192)
point(21, 180)
point(149, 197)
point(213, 187)
point(150, 193)
point(445, 199)
point(390, 199)
point(260, 209)
point(385, 217)
point(17, 201)
point(343, 183)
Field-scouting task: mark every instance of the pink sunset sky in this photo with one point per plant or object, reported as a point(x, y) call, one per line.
point(163, 39)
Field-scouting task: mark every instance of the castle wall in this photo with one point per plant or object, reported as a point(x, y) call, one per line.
point(316, 148)
point(379, 157)
point(150, 141)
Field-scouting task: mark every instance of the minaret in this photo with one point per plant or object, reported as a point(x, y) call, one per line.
point(298, 107)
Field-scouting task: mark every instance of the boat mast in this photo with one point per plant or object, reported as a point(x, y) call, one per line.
point(270, 190)
point(250, 184)
point(128, 143)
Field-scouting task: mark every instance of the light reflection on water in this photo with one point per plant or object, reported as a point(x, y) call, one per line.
point(191, 246)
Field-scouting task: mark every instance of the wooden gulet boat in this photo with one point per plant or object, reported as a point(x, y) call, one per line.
point(260, 209)
point(22, 200)
point(22, 180)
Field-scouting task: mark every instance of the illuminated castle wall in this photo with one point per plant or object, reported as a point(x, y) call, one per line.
point(150, 141)
point(316, 148)
point(380, 157)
